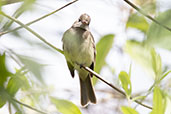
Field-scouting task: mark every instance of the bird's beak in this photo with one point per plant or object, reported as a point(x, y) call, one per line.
point(85, 22)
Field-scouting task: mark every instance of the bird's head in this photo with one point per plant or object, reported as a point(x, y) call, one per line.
point(83, 22)
point(84, 19)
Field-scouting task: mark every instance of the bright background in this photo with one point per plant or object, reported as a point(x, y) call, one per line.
point(107, 17)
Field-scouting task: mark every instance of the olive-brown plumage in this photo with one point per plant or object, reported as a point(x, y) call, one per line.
point(79, 49)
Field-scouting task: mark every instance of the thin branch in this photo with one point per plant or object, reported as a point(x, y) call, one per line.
point(115, 88)
point(10, 54)
point(146, 15)
point(86, 68)
point(99, 77)
point(30, 30)
point(9, 108)
point(165, 75)
point(38, 19)
point(14, 101)
point(6, 2)
point(151, 88)
point(28, 106)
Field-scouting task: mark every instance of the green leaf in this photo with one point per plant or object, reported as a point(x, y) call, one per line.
point(156, 64)
point(17, 112)
point(3, 98)
point(159, 102)
point(164, 75)
point(64, 106)
point(6, 2)
point(138, 98)
point(125, 82)
point(103, 47)
point(17, 82)
point(146, 56)
point(33, 66)
point(130, 68)
point(25, 6)
point(137, 21)
point(148, 6)
point(168, 105)
point(140, 54)
point(158, 36)
point(4, 73)
point(128, 110)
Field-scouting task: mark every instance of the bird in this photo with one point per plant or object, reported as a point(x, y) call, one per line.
point(79, 50)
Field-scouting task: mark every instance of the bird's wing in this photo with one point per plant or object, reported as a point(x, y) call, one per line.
point(93, 43)
point(71, 68)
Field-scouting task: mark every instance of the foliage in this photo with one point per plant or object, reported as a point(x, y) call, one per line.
point(157, 36)
point(137, 21)
point(27, 77)
point(126, 83)
point(159, 101)
point(107, 42)
point(4, 73)
point(64, 106)
point(144, 53)
point(128, 110)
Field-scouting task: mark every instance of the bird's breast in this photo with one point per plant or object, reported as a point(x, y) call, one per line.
point(78, 49)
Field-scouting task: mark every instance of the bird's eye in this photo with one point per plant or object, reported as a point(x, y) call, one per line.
point(79, 20)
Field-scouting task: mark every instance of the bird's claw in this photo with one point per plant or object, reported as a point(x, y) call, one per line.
point(81, 66)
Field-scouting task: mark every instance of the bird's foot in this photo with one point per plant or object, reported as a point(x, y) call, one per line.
point(81, 65)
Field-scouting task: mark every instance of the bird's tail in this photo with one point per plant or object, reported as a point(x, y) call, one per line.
point(87, 91)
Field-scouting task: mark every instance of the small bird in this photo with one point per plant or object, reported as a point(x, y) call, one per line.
point(79, 50)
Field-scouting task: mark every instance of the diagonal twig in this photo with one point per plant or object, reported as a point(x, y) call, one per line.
point(30, 30)
point(6, 2)
point(109, 84)
point(151, 88)
point(86, 68)
point(38, 19)
point(25, 105)
point(146, 15)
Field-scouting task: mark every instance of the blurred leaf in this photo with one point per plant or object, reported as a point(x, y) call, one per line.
point(148, 6)
point(33, 66)
point(146, 56)
point(130, 68)
point(64, 106)
point(156, 64)
point(158, 36)
point(17, 107)
point(138, 98)
point(3, 98)
point(137, 21)
point(17, 113)
point(103, 47)
point(140, 54)
point(6, 2)
point(159, 102)
point(24, 7)
point(168, 105)
point(125, 82)
point(16, 82)
point(4, 73)
point(1, 4)
point(164, 75)
point(128, 110)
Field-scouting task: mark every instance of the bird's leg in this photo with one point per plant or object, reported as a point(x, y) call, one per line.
point(81, 65)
